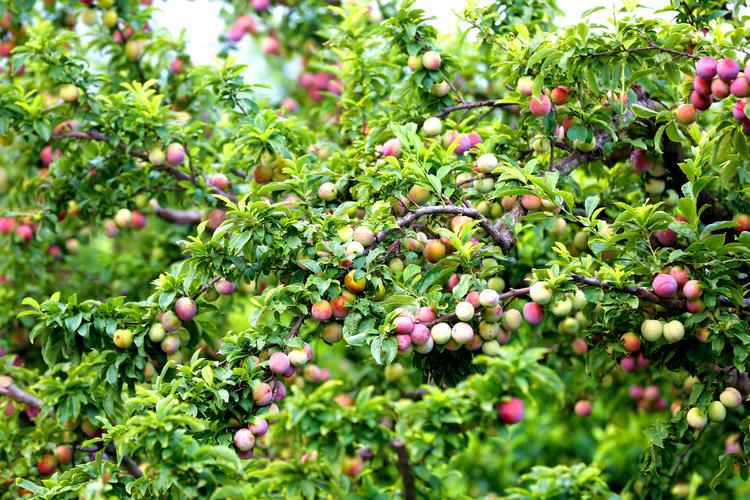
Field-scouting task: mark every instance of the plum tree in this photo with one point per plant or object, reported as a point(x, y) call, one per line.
point(503, 226)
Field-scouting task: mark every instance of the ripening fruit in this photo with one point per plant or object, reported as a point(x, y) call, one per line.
point(170, 344)
point(298, 357)
point(533, 313)
point(185, 308)
point(510, 412)
point(716, 411)
point(583, 408)
point(170, 321)
point(134, 49)
point(123, 217)
point(69, 93)
point(696, 418)
point(491, 348)
point(425, 315)
point(706, 67)
point(432, 126)
point(279, 363)
point(727, 69)
point(156, 156)
point(414, 63)
point(440, 89)
point(431, 60)
point(175, 153)
point(559, 95)
point(664, 285)
point(321, 310)
point(489, 298)
point(327, 191)
point(743, 223)
point(512, 320)
point(418, 194)
point(123, 338)
point(462, 333)
point(364, 235)
point(219, 181)
point(157, 332)
point(441, 333)
point(525, 86)
point(540, 292)
point(47, 464)
point(561, 307)
point(652, 329)
point(730, 397)
point(680, 274)
point(541, 106)
point(224, 287)
point(631, 342)
point(404, 342)
point(692, 289)
point(420, 335)
point(464, 311)
point(244, 439)
point(673, 331)
point(64, 454)
point(487, 163)
point(355, 285)
point(434, 251)
point(333, 332)
point(109, 19)
point(740, 87)
point(352, 466)
point(263, 393)
point(686, 114)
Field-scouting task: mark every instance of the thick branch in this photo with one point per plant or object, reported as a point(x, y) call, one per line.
point(639, 292)
point(404, 469)
point(189, 217)
point(651, 46)
point(296, 327)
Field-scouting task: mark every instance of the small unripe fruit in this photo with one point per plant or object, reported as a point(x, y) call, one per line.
point(511, 412)
point(441, 333)
point(185, 308)
point(157, 332)
point(244, 440)
point(431, 60)
point(491, 348)
point(440, 89)
point(263, 393)
point(123, 338)
point(716, 411)
point(489, 298)
point(730, 397)
point(540, 292)
point(170, 344)
point(664, 285)
point(579, 300)
point(175, 153)
point(464, 311)
point(673, 331)
point(414, 63)
point(364, 235)
point(541, 106)
point(652, 329)
point(696, 418)
point(333, 332)
point(123, 217)
point(327, 191)
point(156, 156)
point(487, 163)
point(69, 93)
point(432, 126)
point(512, 320)
point(489, 331)
point(109, 19)
point(525, 86)
point(434, 251)
point(425, 347)
point(462, 333)
point(562, 307)
point(298, 357)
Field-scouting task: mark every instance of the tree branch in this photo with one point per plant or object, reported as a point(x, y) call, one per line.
point(404, 469)
point(492, 103)
point(189, 217)
point(296, 327)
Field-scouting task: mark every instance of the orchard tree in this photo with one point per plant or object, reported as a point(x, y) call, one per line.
point(511, 260)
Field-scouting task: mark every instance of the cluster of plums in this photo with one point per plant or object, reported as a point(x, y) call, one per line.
point(568, 307)
point(715, 81)
point(678, 280)
point(647, 398)
point(717, 410)
point(430, 61)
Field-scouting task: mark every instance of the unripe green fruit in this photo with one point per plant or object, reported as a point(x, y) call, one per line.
point(440, 89)
point(394, 372)
point(581, 240)
point(730, 397)
point(585, 146)
point(345, 233)
point(432, 126)
point(298, 357)
point(464, 311)
point(487, 163)
point(579, 300)
point(496, 283)
point(489, 331)
point(489, 297)
point(568, 326)
point(654, 186)
point(327, 191)
point(540, 292)
point(562, 307)
point(441, 333)
point(652, 329)
point(512, 320)
point(123, 338)
point(109, 19)
point(157, 332)
point(696, 418)
point(485, 185)
point(333, 332)
point(716, 411)
point(491, 348)
point(673, 331)
point(414, 63)
point(89, 17)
